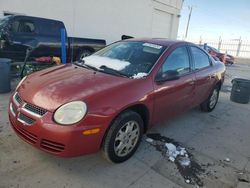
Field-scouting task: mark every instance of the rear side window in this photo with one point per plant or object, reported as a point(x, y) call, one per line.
point(201, 59)
point(22, 26)
point(178, 61)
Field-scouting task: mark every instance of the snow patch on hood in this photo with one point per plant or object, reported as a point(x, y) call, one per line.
point(98, 61)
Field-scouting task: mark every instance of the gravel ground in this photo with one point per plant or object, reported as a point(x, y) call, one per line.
point(217, 143)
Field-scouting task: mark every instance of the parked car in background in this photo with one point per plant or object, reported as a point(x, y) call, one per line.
point(109, 99)
point(216, 53)
point(17, 33)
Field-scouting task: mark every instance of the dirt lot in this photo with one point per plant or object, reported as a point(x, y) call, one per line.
point(218, 143)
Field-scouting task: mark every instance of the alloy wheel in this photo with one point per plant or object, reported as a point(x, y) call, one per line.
point(126, 138)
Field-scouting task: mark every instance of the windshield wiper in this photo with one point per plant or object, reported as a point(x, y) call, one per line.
point(81, 63)
point(112, 71)
point(103, 68)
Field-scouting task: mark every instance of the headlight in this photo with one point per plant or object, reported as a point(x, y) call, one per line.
point(20, 82)
point(70, 113)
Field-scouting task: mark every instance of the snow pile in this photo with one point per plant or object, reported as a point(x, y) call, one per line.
point(173, 152)
point(139, 75)
point(184, 161)
point(98, 61)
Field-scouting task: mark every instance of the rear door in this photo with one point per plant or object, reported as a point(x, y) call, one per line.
point(204, 76)
point(176, 96)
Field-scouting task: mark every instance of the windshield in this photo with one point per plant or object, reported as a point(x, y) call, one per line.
point(130, 58)
point(3, 20)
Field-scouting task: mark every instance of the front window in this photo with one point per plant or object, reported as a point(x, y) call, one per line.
point(23, 27)
point(177, 61)
point(130, 58)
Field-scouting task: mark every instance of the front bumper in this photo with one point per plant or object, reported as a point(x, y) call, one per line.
point(43, 133)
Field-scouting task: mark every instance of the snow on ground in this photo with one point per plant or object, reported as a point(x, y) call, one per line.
point(188, 168)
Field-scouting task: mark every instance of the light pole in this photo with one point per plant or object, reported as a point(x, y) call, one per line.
point(189, 17)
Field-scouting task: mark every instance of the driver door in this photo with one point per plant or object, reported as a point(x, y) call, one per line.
point(172, 97)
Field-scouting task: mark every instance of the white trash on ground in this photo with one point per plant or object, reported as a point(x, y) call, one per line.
point(173, 152)
point(150, 140)
point(184, 161)
point(227, 159)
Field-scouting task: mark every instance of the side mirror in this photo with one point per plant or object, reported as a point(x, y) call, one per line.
point(5, 36)
point(167, 76)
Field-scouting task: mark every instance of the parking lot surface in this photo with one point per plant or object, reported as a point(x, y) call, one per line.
point(218, 142)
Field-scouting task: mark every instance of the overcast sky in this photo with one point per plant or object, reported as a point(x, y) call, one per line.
point(229, 19)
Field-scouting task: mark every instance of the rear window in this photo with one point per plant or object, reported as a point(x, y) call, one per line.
point(201, 59)
point(52, 28)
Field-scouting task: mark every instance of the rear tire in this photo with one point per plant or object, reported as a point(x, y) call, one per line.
point(210, 103)
point(123, 137)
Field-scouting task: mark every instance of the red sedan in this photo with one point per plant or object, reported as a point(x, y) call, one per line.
point(108, 100)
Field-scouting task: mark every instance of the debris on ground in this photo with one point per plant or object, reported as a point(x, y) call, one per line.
point(227, 159)
point(243, 180)
point(149, 140)
point(184, 161)
point(242, 177)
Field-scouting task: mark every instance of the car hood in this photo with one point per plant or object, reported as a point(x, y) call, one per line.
point(53, 87)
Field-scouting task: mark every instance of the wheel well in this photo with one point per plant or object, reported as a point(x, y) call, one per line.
point(142, 110)
point(219, 84)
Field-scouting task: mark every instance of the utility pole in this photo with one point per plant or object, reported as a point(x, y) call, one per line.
point(189, 17)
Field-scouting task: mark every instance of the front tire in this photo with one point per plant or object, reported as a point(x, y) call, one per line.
point(211, 101)
point(123, 137)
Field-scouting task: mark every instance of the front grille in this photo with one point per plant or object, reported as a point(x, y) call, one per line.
point(35, 109)
point(52, 146)
point(25, 119)
point(31, 138)
point(18, 99)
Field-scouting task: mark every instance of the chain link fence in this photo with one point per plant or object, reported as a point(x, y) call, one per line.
point(235, 47)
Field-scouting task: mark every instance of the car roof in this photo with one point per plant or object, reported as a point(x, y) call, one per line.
point(33, 18)
point(159, 41)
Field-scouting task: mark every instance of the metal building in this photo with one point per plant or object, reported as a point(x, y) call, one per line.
point(105, 19)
